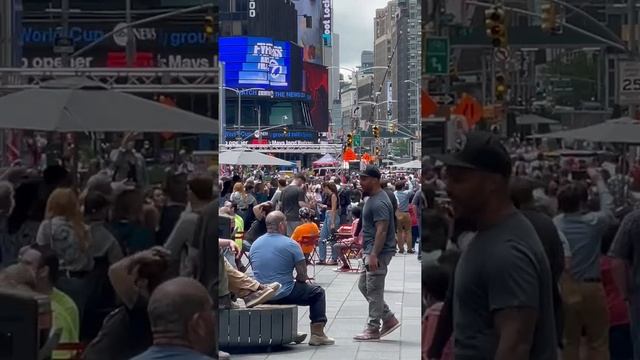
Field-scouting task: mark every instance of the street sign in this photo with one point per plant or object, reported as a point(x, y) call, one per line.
point(63, 45)
point(436, 61)
point(444, 98)
point(501, 54)
point(470, 108)
point(356, 140)
point(629, 83)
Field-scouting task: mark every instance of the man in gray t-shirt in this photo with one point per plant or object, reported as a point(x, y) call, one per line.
point(379, 247)
point(502, 300)
point(292, 198)
point(504, 267)
point(378, 207)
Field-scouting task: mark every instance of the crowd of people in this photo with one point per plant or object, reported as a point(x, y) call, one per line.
point(278, 226)
point(126, 265)
point(528, 258)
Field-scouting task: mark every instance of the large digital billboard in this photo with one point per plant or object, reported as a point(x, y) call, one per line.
point(318, 34)
point(316, 84)
point(255, 62)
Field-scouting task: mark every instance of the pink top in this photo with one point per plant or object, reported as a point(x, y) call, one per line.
point(618, 311)
point(429, 325)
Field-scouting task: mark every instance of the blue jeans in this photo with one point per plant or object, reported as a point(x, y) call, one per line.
point(325, 233)
point(311, 295)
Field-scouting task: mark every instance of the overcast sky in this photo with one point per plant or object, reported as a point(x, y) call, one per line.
point(353, 21)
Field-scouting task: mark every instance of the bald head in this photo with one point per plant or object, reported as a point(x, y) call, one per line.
point(274, 220)
point(173, 305)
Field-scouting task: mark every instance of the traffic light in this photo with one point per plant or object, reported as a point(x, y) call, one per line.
point(349, 140)
point(550, 22)
point(285, 131)
point(209, 27)
point(378, 151)
point(392, 128)
point(376, 131)
point(495, 22)
point(501, 87)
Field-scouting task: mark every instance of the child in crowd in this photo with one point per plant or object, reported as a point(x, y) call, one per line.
point(307, 229)
point(435, 282)
point(415, 231)
point(342, 246)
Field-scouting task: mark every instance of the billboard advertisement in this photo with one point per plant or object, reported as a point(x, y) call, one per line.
point(313, 38)
point(173, 45)
point(316, 84)
point(273, 137)
point(255, 62)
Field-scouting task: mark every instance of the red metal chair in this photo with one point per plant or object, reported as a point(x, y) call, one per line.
point(311, 241)
point(77, 347)
point(353, 250)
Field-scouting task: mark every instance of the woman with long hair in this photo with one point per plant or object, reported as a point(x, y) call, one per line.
point(244, 200)
point(65, 232)
point(331, 222)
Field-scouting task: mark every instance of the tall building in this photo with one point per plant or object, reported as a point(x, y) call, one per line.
point(385, 43)
point(332, 61)
point(366, 62)
point(408, 55)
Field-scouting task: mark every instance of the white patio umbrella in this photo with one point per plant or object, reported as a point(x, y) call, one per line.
point(81, 105)
point(250, 158)
point(413, 164)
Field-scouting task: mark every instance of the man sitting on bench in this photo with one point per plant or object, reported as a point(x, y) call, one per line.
point(273, 258)
point(240, 285)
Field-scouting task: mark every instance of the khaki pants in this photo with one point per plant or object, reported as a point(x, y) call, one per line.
point(239, 283)
point(403, 230)
point(585, 308)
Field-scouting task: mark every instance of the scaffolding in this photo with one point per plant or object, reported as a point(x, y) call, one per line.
point(131, 80)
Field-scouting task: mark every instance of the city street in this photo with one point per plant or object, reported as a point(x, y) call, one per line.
point(347, 314)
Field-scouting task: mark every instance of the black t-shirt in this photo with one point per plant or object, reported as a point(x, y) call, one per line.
point(257, 229)
point(124, 334)
point(290, 197)
point(168, 219)
point(392, 198)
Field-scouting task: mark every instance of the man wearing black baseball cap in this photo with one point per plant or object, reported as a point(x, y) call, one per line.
point(502, 290)
point(379, 246)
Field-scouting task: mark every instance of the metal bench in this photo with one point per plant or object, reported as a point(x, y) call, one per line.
point(263, 325)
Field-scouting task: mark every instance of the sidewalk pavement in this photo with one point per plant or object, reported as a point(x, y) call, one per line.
point(347, 315)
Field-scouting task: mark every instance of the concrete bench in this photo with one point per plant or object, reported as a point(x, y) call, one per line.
point(263, 325)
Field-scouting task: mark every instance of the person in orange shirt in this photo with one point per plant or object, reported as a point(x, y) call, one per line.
point(307, 228)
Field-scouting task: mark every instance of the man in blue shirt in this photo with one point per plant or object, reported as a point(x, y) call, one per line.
point(273, 258)
point(182, 321)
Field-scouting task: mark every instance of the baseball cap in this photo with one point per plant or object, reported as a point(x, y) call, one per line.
point(371, 171)
point(480, 151)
